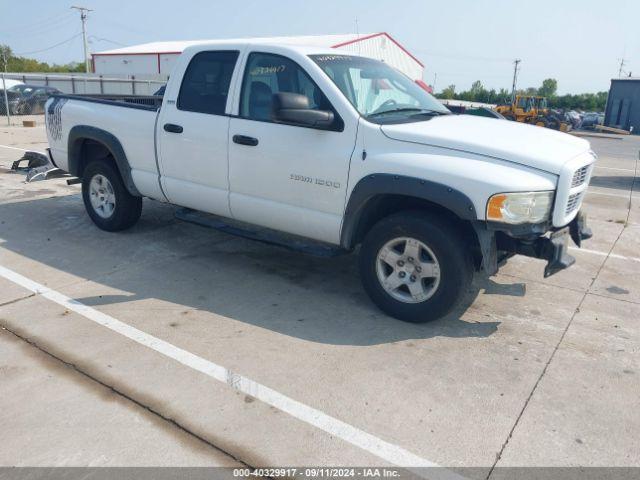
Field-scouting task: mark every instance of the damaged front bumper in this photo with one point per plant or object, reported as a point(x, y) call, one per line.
point(498, 243)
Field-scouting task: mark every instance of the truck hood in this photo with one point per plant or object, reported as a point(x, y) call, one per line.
point(535, 147)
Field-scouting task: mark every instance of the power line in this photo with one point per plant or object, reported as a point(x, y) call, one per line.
point(52, 46)
point(42, 23)
point(41, 31)
point(100, 39)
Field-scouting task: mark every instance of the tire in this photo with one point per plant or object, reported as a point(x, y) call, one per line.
point(109, 205)
point(445, 265)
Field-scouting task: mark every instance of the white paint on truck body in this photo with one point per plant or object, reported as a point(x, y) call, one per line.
point(204, 169)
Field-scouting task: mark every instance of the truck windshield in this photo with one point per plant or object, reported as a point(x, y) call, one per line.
point(379, 92)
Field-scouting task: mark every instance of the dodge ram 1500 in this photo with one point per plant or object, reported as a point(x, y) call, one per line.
point(341, 149)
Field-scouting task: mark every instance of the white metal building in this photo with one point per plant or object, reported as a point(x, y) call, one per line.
point(158, 58)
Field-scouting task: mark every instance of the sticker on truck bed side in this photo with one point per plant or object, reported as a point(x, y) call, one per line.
point(54, 118)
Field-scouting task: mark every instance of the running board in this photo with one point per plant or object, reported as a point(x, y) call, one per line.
point(264, 235)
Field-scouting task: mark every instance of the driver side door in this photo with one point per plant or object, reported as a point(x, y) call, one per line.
point(287, 177)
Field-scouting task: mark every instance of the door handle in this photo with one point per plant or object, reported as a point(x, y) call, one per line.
point(244, 140)
point(172, 128)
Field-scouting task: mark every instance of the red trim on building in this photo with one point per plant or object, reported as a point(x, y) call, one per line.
point(424, 86)
point(359, 39)
point(355, 40)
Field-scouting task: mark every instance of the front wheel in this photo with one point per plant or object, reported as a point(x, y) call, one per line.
point(415, 266)
point(106, 199)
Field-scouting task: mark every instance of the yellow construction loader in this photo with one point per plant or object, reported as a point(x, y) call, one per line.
point(533, 109)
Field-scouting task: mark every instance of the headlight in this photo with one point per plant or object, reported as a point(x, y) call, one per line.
point(521, 207)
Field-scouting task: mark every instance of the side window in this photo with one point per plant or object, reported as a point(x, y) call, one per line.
point(267, 74)
point(205, 85)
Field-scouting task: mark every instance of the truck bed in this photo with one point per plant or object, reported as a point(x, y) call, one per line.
point(129, 119)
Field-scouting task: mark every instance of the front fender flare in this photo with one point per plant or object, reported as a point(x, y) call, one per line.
point(388, 184)
point(79, 133)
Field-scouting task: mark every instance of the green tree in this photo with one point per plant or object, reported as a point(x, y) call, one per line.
point(477, 88)
point(549, 88)
point(448, 93)
point(5, 55)
point(478, 93)
point(12, 63)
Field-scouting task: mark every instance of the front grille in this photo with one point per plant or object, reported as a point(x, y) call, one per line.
point(579, 176)
point(573, 202)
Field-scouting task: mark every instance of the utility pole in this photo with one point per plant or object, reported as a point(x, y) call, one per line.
point(83, 16)
point(516, 64)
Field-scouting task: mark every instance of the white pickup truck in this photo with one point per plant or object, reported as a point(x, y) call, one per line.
point(339, 149)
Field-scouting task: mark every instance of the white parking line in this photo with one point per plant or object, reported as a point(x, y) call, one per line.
point(620, 195)
point(353, 435)
point(13, 148)
point(605, 254)
point(618, 169)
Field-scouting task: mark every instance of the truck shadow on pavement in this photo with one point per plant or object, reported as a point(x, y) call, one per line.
point(162, 268)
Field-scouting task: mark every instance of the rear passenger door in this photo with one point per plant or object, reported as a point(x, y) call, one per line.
point(192, 134)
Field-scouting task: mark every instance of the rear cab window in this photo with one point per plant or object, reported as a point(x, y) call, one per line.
point(206, 81)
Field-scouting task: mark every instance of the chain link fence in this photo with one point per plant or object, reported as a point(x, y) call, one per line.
point(26, 93)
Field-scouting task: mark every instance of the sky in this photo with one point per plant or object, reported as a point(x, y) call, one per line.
point(579, 43)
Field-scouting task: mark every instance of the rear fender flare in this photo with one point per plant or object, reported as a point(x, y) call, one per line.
point(80, 133)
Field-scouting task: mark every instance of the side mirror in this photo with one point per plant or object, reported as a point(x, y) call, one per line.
point(294, 108)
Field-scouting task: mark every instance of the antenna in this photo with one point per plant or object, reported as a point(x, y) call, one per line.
point(620, 69)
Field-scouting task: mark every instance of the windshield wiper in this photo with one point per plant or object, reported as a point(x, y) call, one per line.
point(419, 111)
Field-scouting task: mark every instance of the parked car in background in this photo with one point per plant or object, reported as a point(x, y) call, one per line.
point(29, 99)
point(591, 119)
point(11, 97)
point(8, 83)
point(573, 118)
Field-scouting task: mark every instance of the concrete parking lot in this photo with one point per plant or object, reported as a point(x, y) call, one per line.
point(172, 344)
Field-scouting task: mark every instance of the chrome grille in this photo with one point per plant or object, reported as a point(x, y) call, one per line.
point(579, 176)
point(573, 202)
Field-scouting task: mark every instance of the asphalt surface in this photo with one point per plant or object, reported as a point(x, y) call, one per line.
point(216, 350)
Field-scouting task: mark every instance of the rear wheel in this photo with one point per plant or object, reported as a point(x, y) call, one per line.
point(415, 266)
point(106, 199)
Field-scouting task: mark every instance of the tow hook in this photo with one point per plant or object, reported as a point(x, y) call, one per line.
point(579, 230)
point(555, 252)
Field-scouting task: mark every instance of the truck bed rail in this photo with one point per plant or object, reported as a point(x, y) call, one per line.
point(142, 102)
